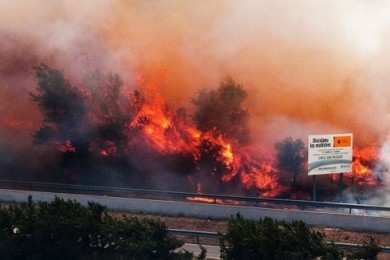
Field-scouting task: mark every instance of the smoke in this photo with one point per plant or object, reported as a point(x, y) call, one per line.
point(311, 62)
point(301, 63)
point(308, 67)
point(383, 196)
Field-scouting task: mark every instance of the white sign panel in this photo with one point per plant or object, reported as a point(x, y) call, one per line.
point(330, 154)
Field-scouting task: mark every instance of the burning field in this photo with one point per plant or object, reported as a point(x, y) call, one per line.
point(194, 96)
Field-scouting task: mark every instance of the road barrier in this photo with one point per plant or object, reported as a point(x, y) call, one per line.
point(349, 208)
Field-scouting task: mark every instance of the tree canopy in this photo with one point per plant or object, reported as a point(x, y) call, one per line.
point(221, 111)
point(290, 155)
point(112, 108)
point(63, 107)
point(87, 120)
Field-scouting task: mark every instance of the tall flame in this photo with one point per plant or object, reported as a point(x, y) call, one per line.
point(363, 166)
point(168, 133)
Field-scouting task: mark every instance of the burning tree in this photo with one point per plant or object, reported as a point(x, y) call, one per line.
point(88, 121)
point(220, 111)
point(290, 156)
point(112, 108)
point(65, 113)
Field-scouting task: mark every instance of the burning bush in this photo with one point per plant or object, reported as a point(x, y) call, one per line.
point(291, 156)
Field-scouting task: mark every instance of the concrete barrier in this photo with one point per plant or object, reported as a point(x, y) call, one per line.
point(203, 210)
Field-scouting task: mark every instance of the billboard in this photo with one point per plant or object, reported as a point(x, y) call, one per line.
point(330, 153)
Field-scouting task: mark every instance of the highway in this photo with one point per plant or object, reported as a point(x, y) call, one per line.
point(207, 210)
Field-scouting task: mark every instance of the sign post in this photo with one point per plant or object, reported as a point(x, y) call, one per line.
point(329, 154)
point(314, 188)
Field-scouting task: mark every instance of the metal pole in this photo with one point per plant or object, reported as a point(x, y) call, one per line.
point(314, 188)
point(340, 186)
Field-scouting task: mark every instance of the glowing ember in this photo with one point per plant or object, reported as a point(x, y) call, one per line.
point(213, 201)
point(204, 200)
point(109, 150)
point(67, 147)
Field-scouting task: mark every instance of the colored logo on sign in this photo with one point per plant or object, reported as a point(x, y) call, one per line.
point(342, 141)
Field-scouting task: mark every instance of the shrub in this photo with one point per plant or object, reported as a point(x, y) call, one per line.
point(270, 239)
point(67, 230)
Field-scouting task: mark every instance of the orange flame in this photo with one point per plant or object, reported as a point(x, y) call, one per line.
point(172, 133)
point(363, 164)
point(168, 133)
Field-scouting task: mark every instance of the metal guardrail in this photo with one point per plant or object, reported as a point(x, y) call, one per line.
point(216, 235)
point(195, 233)
point(214, 198)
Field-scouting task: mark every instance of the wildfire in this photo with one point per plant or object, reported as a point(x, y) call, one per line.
point(163, 131)
point(168, 133)
point(218, 158)
point(166, 136)
point(205, 200)
point(263, 177)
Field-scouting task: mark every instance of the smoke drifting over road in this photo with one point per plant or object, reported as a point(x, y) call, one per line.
point(307, 67)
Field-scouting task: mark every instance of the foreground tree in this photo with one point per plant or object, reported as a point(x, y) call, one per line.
point(270, 239)
point(219, 113)
point(369, 250)
point(67, 230)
